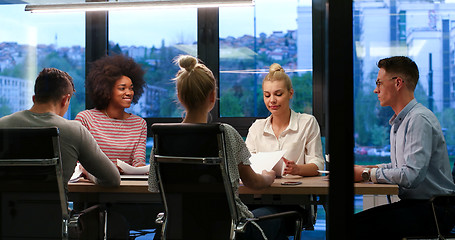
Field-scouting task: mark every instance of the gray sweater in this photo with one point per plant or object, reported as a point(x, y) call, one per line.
point(76, 144)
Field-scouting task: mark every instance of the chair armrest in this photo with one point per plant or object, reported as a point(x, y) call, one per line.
point(241, 227)
point(441, 200)
point(85, 223)
point(294, 214)
point(448, 199)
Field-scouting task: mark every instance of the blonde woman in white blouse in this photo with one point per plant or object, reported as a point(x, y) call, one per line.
point(284, 129)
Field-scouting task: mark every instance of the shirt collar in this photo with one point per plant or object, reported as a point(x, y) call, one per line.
point(397, 119)
point(293, 123)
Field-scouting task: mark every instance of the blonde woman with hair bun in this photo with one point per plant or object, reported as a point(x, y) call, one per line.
point(196, 91)
point(284, 129)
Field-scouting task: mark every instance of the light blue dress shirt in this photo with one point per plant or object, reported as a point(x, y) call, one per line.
point(419, 161)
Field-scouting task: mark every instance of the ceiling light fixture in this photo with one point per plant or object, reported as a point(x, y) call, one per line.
point(137, 5)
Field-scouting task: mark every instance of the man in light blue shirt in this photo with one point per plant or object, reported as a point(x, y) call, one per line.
point(419, 161)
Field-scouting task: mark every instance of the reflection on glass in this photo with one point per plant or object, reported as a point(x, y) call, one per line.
point(254, 39)
point(422, 30)
point(30, 42)
point(154, 38)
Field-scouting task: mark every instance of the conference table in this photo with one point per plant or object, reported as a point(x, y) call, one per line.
point(142, 205)
point(137, 191)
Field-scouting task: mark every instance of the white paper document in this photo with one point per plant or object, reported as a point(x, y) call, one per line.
point(77, 174)
point(128, 169)
point(267, 161)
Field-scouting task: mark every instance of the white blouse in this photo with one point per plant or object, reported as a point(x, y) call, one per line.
point(301, 139)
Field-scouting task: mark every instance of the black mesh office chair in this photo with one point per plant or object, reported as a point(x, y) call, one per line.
point(194, 181)
point(32, 196)
point(439, 200)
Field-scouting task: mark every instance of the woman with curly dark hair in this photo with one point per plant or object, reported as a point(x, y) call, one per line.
point(113, 83)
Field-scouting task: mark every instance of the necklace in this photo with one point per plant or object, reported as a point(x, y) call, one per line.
point(110, 120)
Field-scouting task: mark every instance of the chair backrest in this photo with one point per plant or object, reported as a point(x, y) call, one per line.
point(32, 196)
point(194, 181)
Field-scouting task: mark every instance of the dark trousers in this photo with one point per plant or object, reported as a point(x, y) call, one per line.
point(406, 218)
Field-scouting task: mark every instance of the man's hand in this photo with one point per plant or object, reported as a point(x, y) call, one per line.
point(358, 173)
point(269, 176)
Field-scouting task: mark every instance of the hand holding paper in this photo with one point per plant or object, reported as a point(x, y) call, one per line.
point(266, 161)
point(78, 174)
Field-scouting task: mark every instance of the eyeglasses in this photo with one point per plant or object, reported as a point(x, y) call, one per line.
point(379, 83)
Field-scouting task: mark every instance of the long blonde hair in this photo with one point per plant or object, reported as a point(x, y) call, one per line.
point(194, 81)
point(277, 73)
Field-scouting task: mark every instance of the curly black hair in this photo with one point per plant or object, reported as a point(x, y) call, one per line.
point(103, 74)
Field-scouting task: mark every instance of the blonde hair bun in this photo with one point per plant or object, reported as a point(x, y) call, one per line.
point(275, 68)
point(187, 62)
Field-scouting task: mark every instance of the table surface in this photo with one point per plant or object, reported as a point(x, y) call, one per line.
point(310, 185)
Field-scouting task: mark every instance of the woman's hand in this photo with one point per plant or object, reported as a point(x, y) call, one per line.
point(84, 172)
point(291, 167)
point(120, 170)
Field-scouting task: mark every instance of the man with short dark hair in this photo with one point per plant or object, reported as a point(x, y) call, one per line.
point(419, 162)
point(53, 91)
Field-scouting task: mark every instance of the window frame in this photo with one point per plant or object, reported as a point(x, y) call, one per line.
point(208, 51)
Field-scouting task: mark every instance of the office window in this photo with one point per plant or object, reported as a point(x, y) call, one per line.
point(154, 38)
point(30, 42)
point(421, 30)
point(251, 39)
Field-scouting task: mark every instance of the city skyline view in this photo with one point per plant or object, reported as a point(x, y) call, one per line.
point(41, 28)
point(380, 30)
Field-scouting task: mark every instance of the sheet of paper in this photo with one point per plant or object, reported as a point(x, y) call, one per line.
point(128, 169)
point(139, 177)
point(77, 173)
point(265, 160)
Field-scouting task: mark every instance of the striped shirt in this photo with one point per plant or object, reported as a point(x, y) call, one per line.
point(119, 139)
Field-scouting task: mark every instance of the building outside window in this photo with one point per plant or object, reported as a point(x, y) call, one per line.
point(30, 42)
point(249, 43)
point(421, 30)
point(154, 38)
point(253, 40)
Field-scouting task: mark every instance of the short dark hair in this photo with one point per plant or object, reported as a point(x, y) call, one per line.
point(105, 71)
point(402, 65)
point(52, 84)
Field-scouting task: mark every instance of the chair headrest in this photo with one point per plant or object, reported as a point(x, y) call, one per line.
point(28, 143)
point(186, 128)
